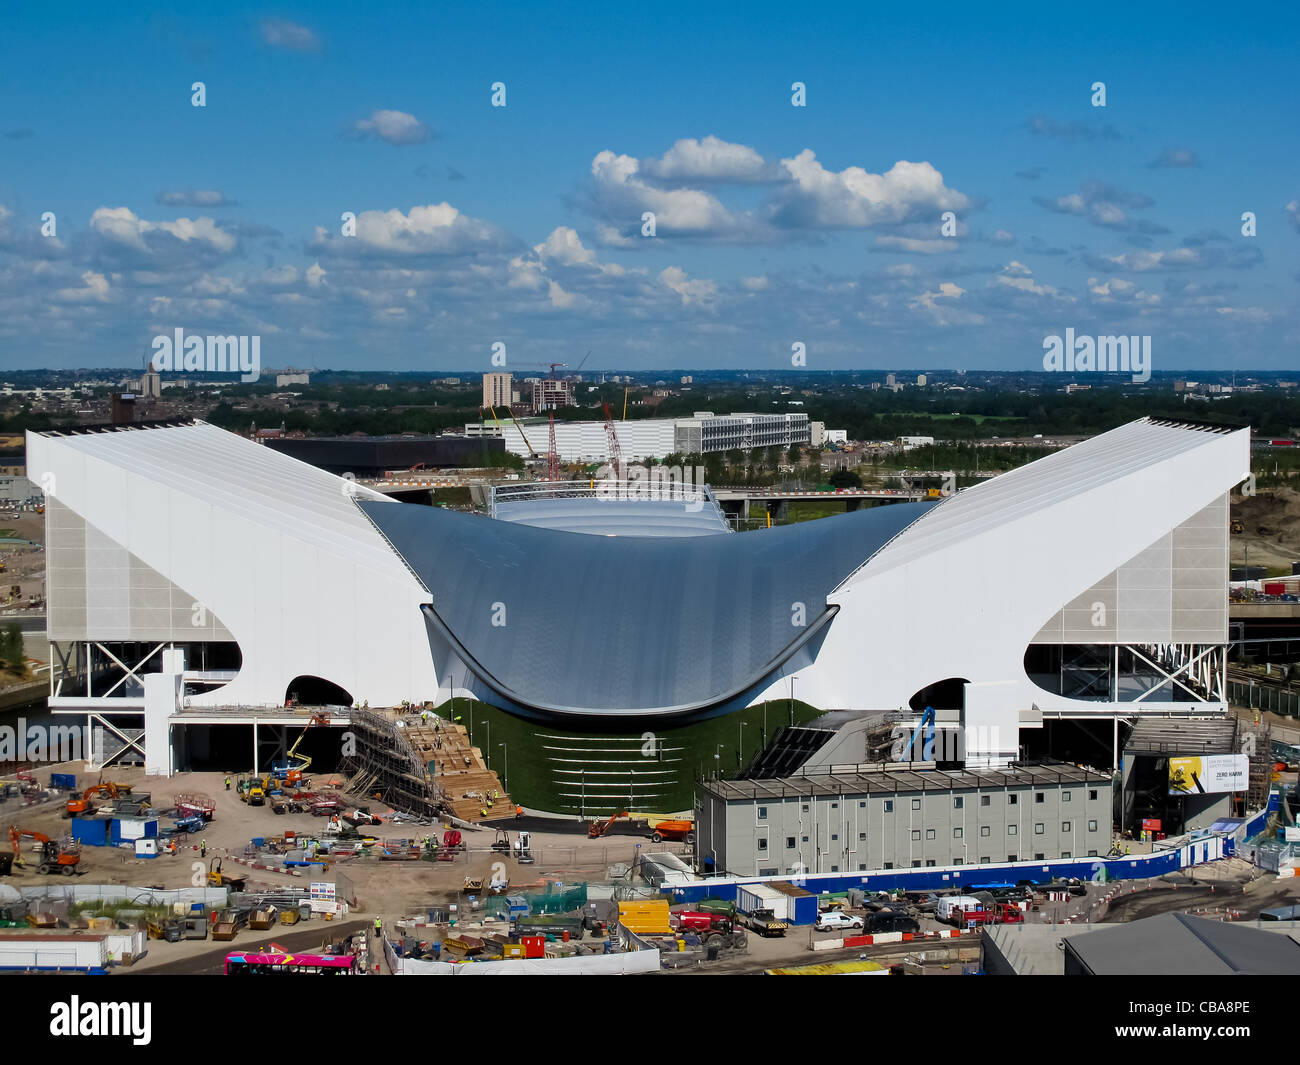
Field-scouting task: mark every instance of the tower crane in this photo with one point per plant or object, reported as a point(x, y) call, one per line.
point(615, 452)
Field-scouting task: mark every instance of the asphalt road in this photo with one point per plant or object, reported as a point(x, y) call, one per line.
point(212, 962)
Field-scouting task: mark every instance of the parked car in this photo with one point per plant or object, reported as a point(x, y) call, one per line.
point(888, 921)
point(832, 919)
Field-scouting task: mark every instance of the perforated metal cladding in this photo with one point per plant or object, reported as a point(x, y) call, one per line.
point(1175, 591)
point(98, 590)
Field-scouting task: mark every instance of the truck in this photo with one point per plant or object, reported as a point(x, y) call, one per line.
point(703, 923)
point(950, 905)
point(963, 910)
point(764, 922)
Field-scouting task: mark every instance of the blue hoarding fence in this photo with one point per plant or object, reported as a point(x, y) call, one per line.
point(967, 877)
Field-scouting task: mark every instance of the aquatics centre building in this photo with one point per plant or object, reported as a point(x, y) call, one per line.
point(620, 648)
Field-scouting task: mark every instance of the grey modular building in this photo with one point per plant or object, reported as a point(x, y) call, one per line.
point(865, 818)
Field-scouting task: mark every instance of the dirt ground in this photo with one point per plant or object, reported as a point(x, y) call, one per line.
point(564, 853)
point(1271, 533)
point(397, 890)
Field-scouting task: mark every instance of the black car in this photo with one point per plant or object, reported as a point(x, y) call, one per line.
point(886, 921)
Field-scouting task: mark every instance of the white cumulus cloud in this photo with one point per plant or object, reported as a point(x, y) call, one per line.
point(395, 127)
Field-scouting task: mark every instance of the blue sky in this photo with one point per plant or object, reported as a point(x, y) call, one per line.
point(775, 224)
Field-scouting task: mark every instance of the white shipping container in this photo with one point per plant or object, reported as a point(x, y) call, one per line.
point(52, 952)
point(663, 874)
point(752, 897)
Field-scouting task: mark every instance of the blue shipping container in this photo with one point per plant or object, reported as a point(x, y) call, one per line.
point(90, 832)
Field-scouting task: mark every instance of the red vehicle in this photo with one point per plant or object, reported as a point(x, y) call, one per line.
point(715, 929)
point(1002, 913)
point(194, 803)
point(240, 962)
point(703, 923)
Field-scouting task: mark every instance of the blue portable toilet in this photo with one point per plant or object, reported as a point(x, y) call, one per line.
point(66, 781)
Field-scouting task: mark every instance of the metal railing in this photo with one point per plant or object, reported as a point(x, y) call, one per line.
point(1264, 697)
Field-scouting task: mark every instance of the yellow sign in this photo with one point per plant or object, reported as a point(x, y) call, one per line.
point(1208, 774)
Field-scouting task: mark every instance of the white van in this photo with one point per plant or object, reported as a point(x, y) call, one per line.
point(947, 905)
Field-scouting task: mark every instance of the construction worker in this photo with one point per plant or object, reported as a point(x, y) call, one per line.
point(482, 811)
point(495, 794)
point(519, 812)
point(379, 927)
point(227, 783)
point(203, 848)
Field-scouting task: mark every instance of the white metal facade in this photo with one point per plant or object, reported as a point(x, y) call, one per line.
point(965, 590)
point(273, 548)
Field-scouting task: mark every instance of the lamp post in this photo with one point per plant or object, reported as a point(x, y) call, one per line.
point(740, 751)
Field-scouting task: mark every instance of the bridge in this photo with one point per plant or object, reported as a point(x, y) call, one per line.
point(734, 500)
point(398, 485)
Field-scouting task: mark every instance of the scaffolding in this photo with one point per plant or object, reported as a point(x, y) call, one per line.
point(1257, 744)
point(381, 762)
point(420, 764)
